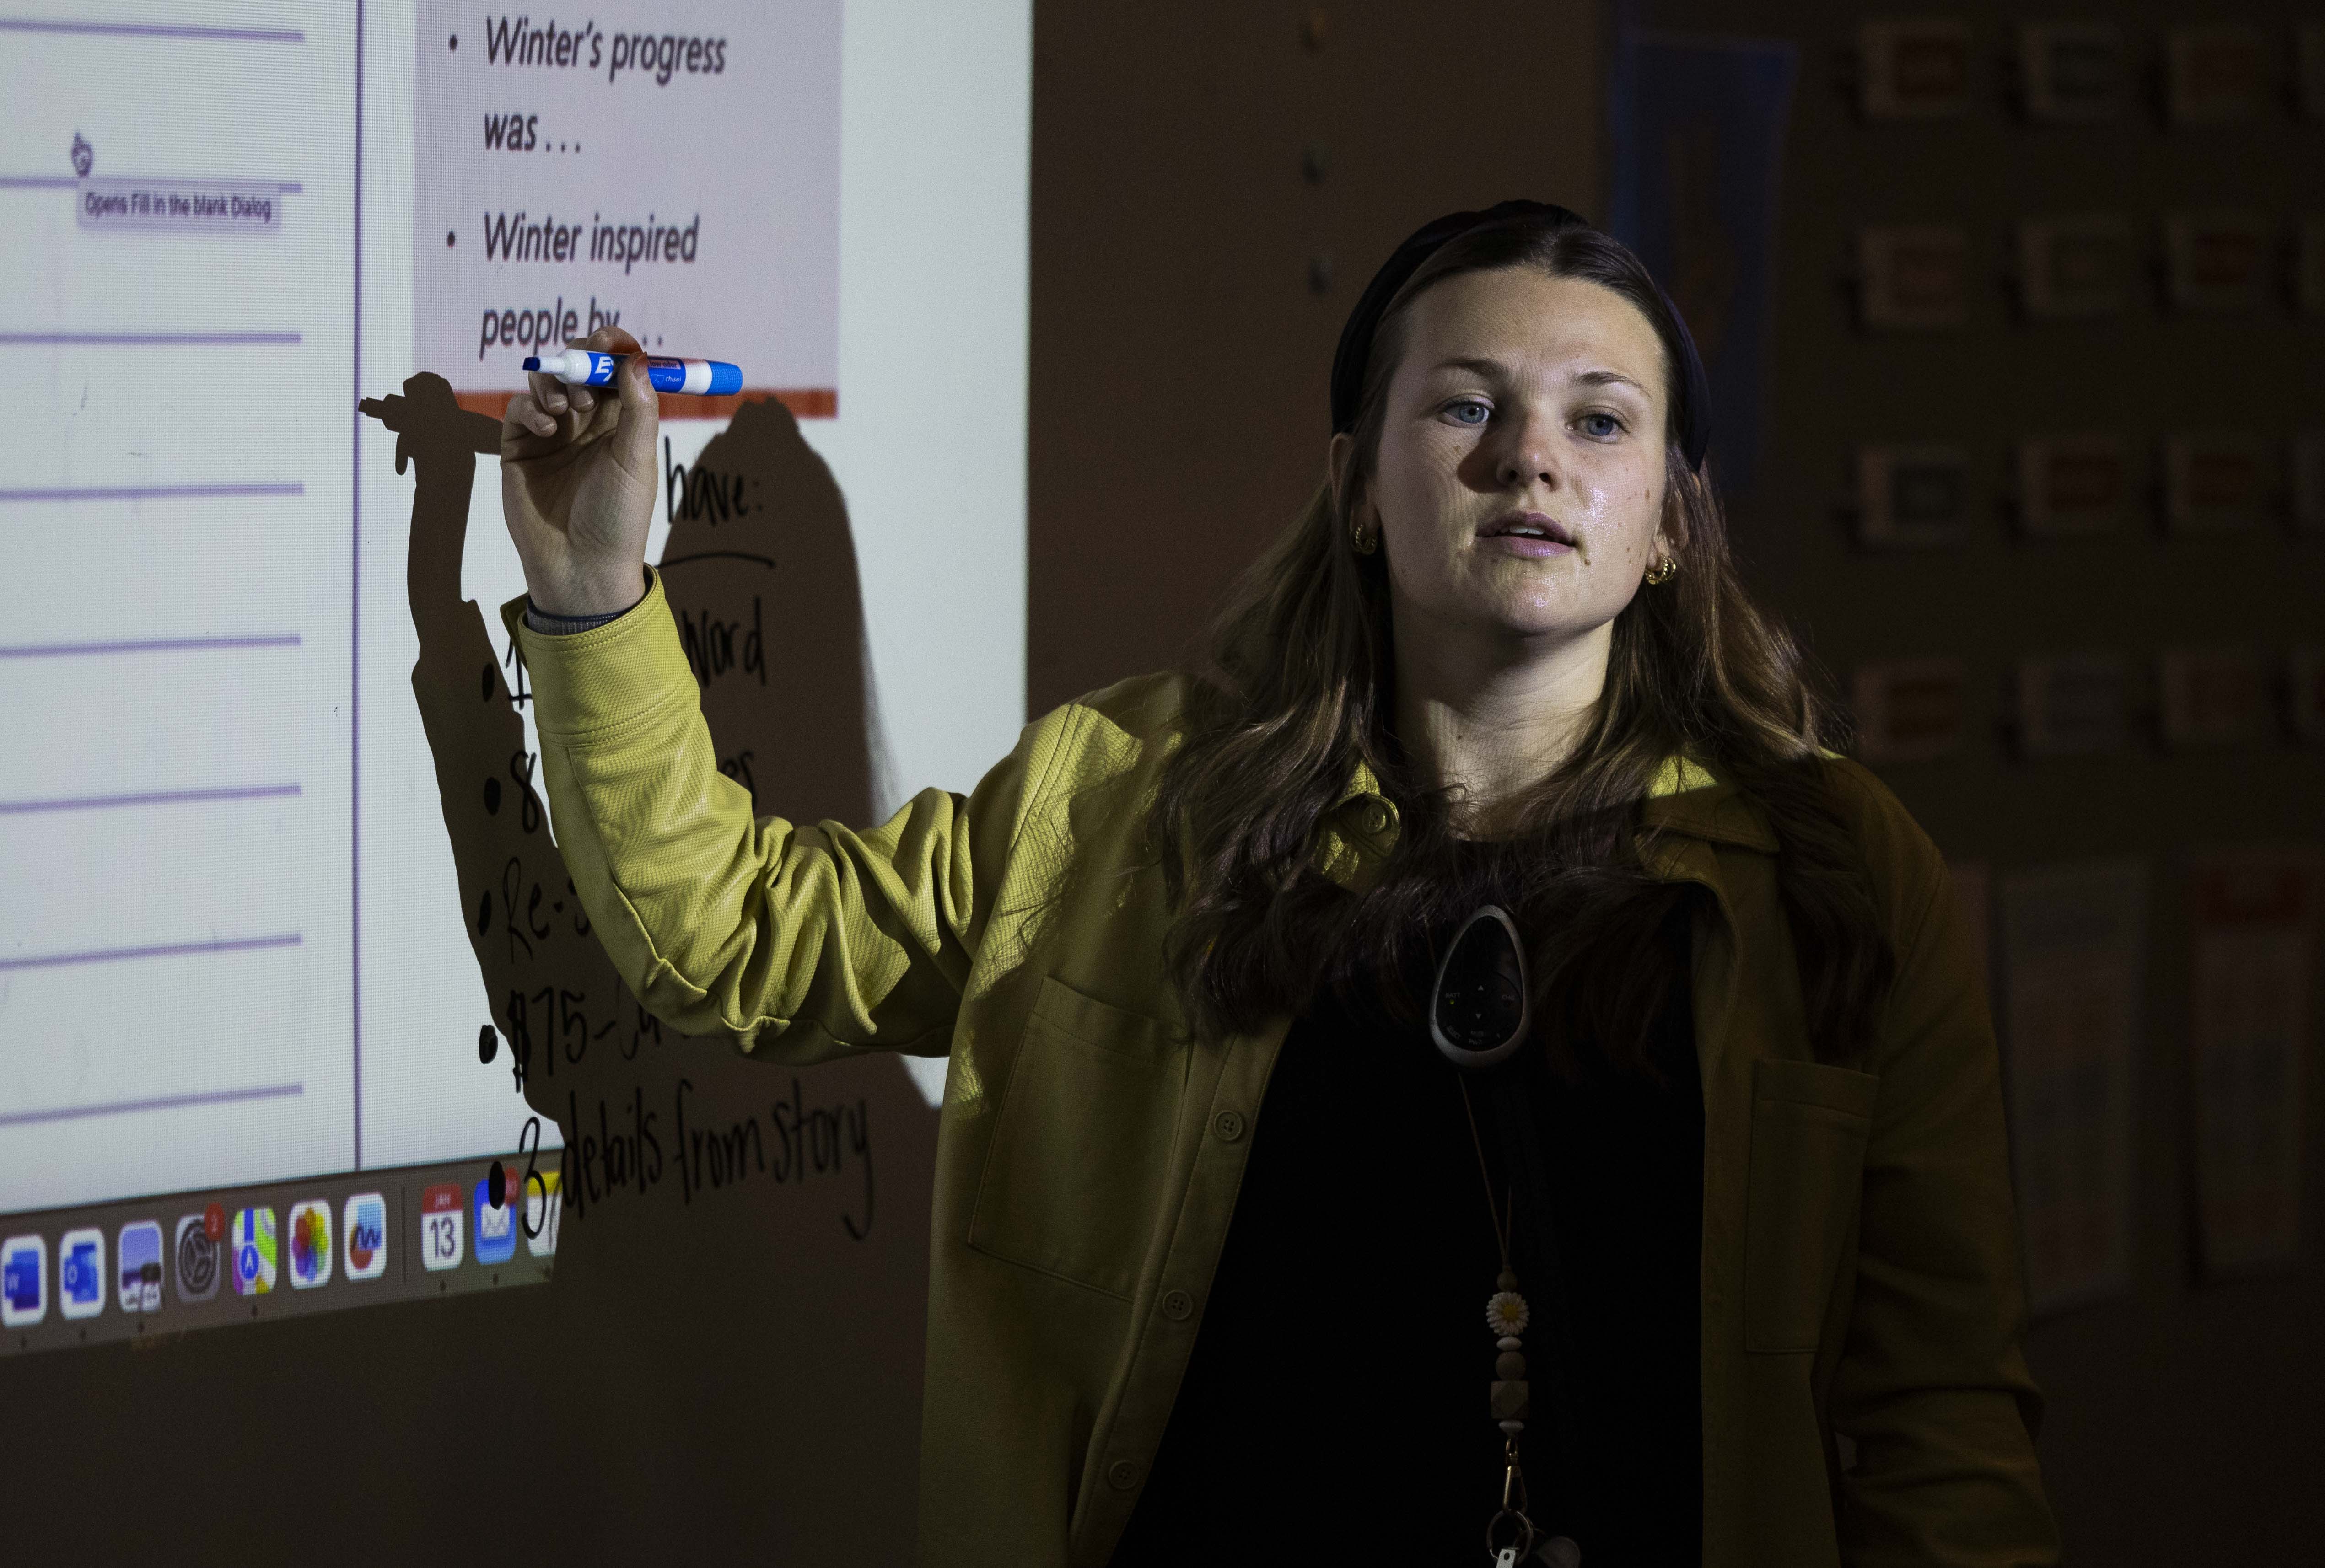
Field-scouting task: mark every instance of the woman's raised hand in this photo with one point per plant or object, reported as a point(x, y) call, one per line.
point(578, 484)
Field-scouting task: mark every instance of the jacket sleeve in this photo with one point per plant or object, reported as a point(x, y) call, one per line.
point(1932, 1385)
point(802, 942)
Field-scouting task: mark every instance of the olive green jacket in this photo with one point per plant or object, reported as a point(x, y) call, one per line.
point(1859, 1270)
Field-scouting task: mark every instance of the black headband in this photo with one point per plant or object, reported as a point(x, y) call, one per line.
point(1355, 350)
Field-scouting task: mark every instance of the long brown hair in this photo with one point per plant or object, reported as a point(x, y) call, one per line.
point(1294, 687)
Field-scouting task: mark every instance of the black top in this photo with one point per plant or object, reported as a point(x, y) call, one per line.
point(1335, 1408)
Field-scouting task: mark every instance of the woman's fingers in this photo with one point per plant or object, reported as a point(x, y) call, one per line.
point(524, 421)
point(547, 390)
point(532, 416)
point(556, 397)
point(631, 391)
point(640, 417)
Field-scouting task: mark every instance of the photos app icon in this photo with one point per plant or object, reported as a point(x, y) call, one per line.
point(311, 1244)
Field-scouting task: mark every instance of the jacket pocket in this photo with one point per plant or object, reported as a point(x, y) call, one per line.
point(1810, 1123)
point(1081, 1142)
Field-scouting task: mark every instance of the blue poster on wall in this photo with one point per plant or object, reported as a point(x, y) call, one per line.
point(1699, 141)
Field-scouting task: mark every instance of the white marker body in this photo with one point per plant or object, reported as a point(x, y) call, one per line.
point(579, 367)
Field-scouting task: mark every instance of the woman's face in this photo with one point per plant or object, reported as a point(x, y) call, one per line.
point(1518, 490)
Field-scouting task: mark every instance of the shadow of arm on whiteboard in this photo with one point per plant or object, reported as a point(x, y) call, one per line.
point(707, 1202)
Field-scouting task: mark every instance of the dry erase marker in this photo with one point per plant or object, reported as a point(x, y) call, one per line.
point(584, 367)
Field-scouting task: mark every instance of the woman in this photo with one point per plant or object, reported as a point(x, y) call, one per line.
point(1230, 1261)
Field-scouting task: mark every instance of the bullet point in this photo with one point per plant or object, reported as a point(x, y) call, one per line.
point(456, 42)
point(448, 239)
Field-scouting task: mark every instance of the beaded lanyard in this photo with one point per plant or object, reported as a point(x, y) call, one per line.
point(1477, 1015)
point(1506, 1316)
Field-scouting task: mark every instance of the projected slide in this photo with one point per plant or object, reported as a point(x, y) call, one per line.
point(560, 186)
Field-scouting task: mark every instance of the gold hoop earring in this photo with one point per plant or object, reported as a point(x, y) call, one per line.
point(1662, 572)
point(1364, 543)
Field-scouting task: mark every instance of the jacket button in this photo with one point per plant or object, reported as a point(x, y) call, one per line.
point(1228, 1125)
point(1375, 818)
point(1178, 1305)
point(1122, 1474)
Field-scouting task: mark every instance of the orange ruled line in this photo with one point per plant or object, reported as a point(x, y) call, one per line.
point(816, 402)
